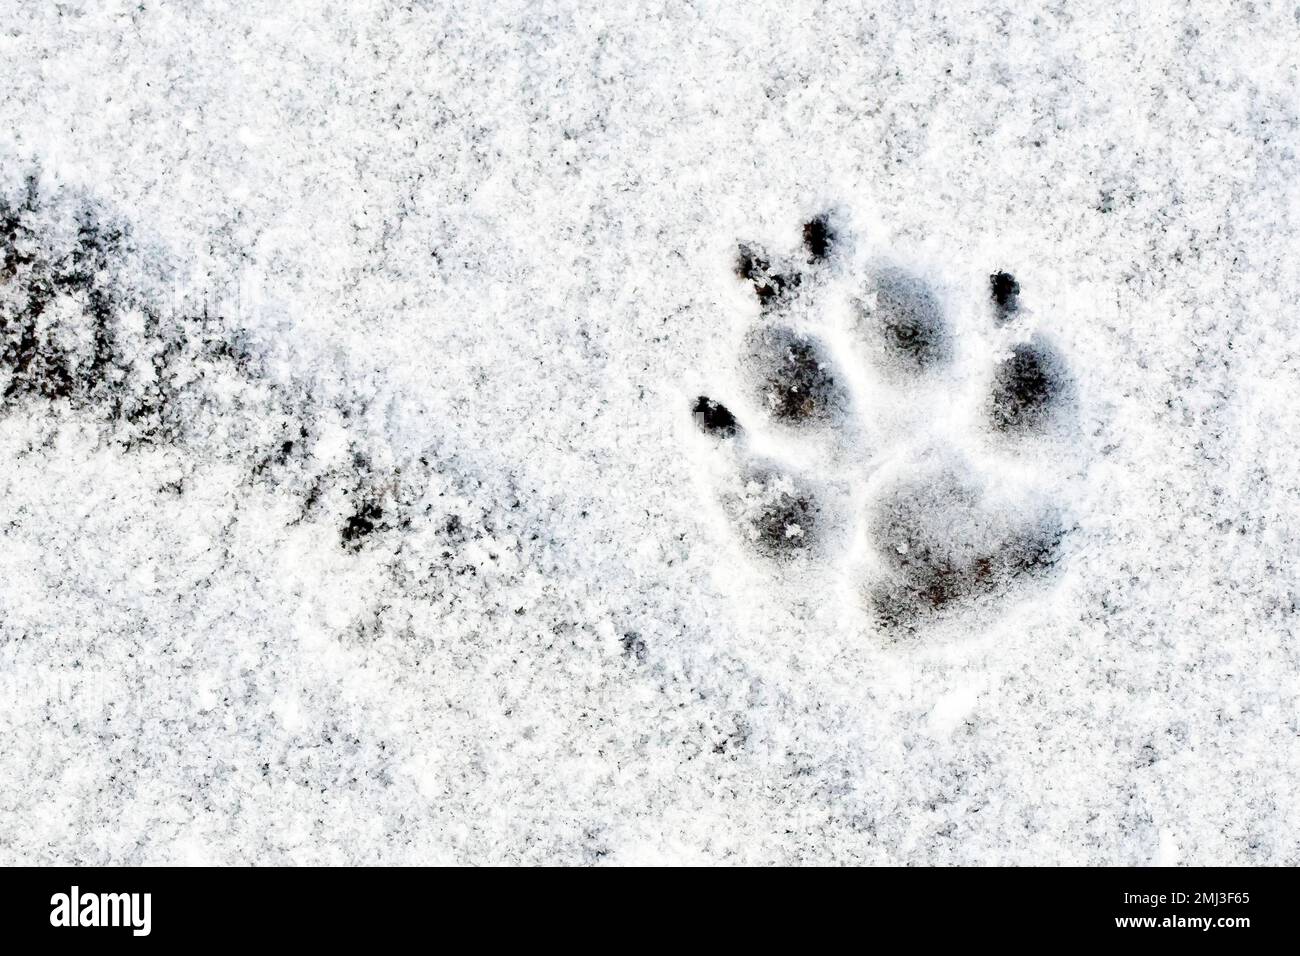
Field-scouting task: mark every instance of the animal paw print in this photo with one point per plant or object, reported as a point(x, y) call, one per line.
point(877, 425)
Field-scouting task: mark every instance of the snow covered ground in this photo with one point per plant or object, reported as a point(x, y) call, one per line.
point(354, 509)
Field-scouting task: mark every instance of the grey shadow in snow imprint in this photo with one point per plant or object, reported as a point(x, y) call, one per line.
point(940, 533)
point(90, 332)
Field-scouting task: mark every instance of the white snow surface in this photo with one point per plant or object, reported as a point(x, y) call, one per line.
point(477, 261)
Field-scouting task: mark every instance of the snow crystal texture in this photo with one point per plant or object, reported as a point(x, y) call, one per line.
point(554, 433)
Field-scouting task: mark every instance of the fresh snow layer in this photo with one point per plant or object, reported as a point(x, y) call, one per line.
point(356, 507)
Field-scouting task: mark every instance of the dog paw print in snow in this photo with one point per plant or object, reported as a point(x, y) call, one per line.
point(875, 425)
